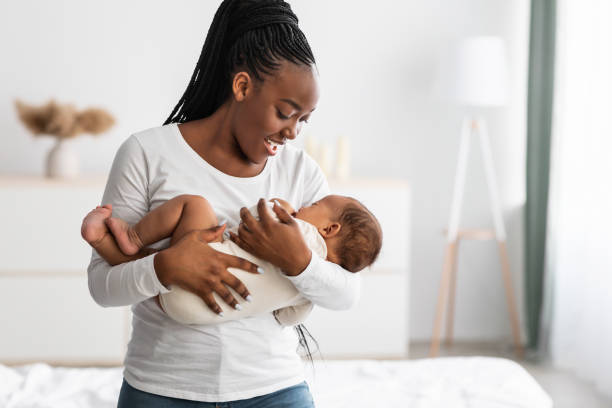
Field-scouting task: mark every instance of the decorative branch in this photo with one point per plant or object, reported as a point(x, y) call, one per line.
point(63, 121)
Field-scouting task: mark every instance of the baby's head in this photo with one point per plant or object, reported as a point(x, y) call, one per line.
point(352, 234)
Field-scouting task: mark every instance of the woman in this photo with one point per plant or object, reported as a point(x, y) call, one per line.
point(253, 87)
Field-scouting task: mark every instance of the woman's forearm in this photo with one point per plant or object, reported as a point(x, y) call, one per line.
point(299, 263)
point(162, 267)
point(328, 285)
point(124, 284)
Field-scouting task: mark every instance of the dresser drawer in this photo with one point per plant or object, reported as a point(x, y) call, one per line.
point(55, 319)
point(42, 225)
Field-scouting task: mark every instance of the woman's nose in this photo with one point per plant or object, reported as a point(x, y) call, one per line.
point(291, 132)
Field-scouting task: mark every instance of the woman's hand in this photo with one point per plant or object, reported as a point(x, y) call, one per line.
point(280, 243)
point(195, 266)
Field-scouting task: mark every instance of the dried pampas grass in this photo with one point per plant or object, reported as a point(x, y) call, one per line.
point(63, 121)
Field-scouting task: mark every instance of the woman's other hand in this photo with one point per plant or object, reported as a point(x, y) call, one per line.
point(280, 243)
point(195, 266)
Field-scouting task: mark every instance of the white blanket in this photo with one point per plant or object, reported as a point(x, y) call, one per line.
point(458, 382)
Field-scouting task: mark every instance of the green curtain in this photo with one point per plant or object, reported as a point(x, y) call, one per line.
point(539, 122)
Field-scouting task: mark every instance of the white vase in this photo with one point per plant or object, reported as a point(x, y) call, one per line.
point(62, 161)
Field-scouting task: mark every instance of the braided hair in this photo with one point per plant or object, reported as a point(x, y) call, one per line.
point(251, 35)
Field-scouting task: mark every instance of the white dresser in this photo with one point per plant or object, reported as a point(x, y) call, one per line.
point(47, 314)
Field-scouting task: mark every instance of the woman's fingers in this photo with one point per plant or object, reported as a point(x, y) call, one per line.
point(207, 296)
point(237, 285)
point(211, 234)
point(262, 210)
point(282, 214)
point(232, 261)
point(237, 240)
point(227, 296)
point(243, 238)
point(248, 220)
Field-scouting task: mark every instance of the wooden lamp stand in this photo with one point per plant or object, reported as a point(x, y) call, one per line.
point(446, 295)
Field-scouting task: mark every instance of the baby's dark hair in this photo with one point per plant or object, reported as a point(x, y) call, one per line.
point(360, 237)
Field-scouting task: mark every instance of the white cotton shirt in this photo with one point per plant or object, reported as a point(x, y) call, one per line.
point(233, 360)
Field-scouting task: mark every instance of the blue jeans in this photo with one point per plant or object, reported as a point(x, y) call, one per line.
point(297, 396)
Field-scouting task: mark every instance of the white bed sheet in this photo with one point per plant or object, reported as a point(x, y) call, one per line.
point(454, 382)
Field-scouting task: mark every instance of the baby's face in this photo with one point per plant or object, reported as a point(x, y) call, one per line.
point(323, 212)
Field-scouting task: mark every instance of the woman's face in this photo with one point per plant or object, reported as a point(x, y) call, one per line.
point(269, 113)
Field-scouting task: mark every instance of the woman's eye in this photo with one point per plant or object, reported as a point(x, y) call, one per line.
point(281, 115)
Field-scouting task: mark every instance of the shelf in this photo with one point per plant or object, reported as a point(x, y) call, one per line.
point(31, 180)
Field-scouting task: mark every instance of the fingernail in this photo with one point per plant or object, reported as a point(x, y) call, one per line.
point(276, 202)
point(220, 314)
point(249, 298)
point(238, 307)
point(260, 269)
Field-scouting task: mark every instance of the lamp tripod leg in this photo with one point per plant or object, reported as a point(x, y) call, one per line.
point(450, 311)
point(500, 233)
point(442, 298)
point(512, 310)
point(452, 236)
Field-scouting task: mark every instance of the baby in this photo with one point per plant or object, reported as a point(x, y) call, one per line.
point(337, 228)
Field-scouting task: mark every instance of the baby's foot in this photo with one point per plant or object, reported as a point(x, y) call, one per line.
point(125, 235)
point(93, 228)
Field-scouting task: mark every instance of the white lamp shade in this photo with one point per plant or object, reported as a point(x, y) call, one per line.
point(475, 73)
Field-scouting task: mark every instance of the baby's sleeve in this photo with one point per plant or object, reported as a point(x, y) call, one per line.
point(127, 190)
point(322, 282)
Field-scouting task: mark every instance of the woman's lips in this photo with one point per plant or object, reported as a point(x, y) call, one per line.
point(271, 149)
point(271, 146)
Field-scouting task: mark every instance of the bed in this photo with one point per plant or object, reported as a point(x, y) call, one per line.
point(457, 382)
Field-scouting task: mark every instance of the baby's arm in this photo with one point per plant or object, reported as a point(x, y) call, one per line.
point(122, 242)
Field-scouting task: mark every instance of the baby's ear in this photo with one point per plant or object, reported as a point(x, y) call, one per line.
point(331, 230)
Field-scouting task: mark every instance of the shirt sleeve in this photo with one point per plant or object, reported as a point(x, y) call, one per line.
point(127, 190)
point(324, 283)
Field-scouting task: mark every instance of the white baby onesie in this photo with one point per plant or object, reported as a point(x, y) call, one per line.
point(271, 291)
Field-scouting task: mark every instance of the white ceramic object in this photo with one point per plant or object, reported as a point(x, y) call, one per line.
point(62, 161)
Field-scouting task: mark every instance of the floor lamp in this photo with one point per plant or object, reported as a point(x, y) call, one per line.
point(475, 76)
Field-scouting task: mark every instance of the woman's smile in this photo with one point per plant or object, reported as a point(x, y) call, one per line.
point(272, 146)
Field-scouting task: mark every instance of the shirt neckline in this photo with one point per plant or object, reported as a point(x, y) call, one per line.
point(213, 169)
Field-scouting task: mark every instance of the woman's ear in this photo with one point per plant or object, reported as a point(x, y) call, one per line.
point(330, 230)
point(241, 85)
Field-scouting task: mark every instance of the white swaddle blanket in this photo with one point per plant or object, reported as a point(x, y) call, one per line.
point(271, 291)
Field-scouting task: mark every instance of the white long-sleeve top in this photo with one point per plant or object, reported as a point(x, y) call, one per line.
point(232, 360)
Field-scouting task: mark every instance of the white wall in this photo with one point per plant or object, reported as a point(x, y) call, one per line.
point(376, 61)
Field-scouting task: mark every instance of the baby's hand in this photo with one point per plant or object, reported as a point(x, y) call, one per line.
point(286, 206)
